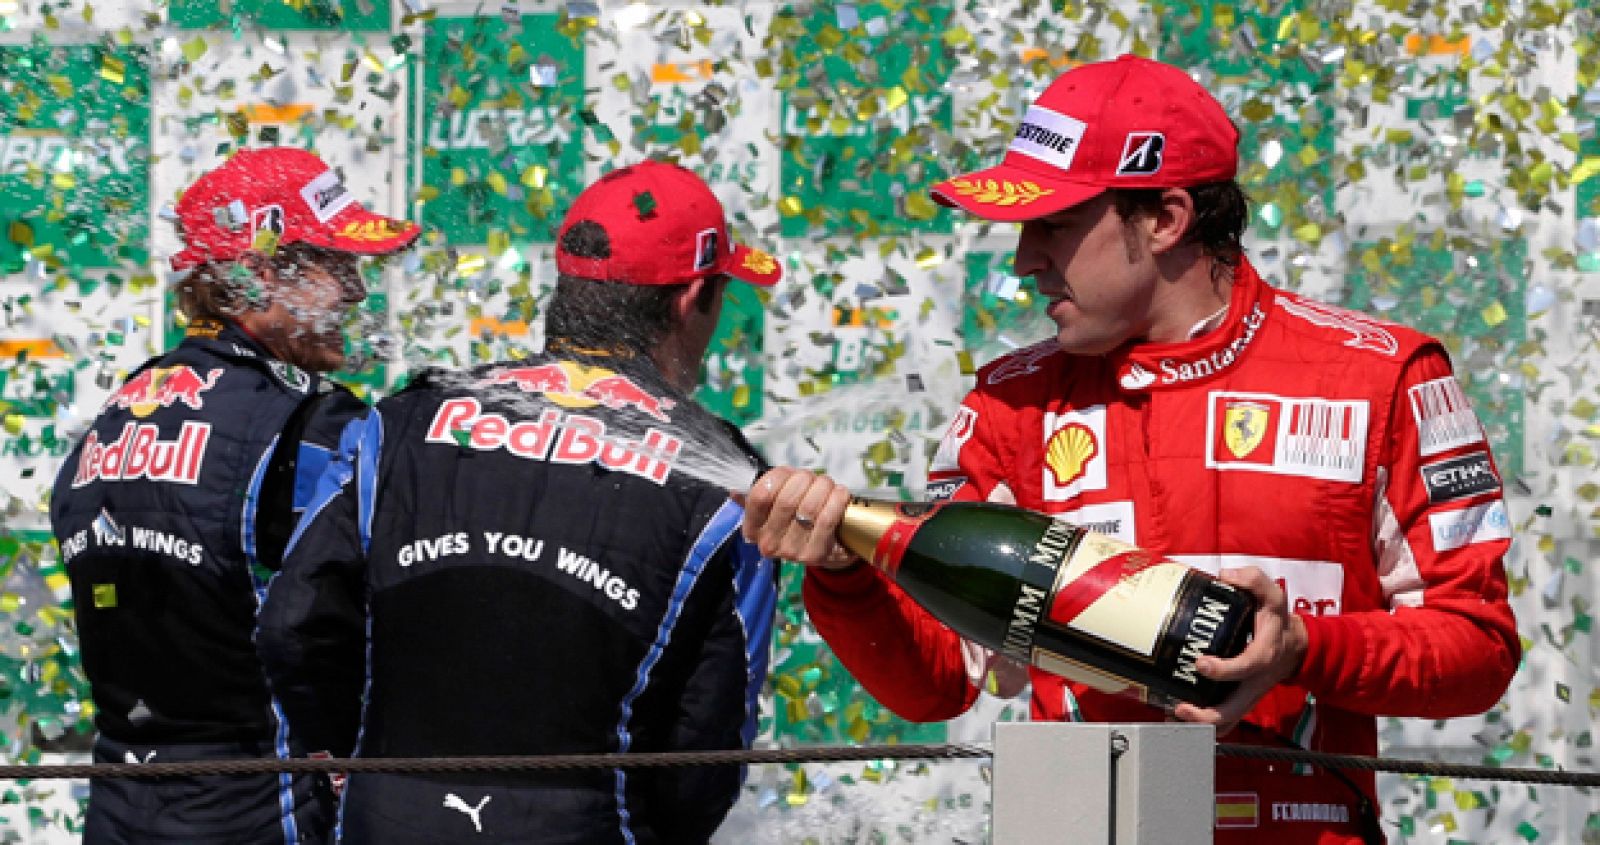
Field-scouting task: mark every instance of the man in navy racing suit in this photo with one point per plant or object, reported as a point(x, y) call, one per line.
point(174, 509)
point(511, 561)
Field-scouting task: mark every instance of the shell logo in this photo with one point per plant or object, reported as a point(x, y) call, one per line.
point(1069, 451)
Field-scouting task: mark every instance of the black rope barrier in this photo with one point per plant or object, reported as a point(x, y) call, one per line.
point(1410, 767)
point(508, 763)
point(755, 756)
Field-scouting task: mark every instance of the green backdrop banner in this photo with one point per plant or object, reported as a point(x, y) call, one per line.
point(857, 131)
point(349, 15)
point(74, 156)
point(503, 121)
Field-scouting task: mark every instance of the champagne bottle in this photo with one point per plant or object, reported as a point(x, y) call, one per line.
point(1068, 600)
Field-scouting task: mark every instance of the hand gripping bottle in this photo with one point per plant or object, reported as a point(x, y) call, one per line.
point(1066, 599)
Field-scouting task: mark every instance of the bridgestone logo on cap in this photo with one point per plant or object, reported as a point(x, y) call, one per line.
point(326, 196)
point(706, 249)
point(1141, 154)
point(1049, 136)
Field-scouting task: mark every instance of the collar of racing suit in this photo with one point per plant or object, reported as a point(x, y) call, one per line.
point(1158, 366)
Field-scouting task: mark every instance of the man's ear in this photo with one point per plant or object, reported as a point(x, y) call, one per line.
point(701, 295)
point(1171, 223)
point(688, 299)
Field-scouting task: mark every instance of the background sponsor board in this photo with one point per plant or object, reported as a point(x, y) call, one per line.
point(500, 128)
point(74, 157)
point(346, 15)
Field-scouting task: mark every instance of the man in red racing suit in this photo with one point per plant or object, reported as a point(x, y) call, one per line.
point(1360, 483)
point(1325, 460)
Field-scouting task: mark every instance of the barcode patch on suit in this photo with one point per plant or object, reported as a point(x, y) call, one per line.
point(1310, 437)
point(1444, 416)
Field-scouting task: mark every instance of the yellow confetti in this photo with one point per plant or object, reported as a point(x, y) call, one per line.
point(112, 70)
point(13, 423)
point(499, 242)
point(894, 98)
point(1585, 169)
point(194, 48)
point(1494, 314)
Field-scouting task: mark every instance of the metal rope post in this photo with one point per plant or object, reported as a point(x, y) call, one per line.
point(1103, 784)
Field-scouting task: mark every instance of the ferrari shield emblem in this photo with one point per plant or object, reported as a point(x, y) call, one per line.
point(1244, 427)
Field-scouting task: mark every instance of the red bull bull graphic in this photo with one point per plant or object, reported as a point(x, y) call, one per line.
point(575, 386)
point(554, 436)
point(544, 378)
point(617, 392)
point(140, 453)
point(162, 387)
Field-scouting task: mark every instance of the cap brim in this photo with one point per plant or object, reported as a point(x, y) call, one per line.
point(362, 232)
point(1009, 194)
point(754, 266)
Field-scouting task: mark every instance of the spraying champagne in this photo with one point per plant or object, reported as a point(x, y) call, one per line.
point(1065, 599)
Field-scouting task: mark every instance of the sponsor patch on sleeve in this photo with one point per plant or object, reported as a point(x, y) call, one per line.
point(1464, 527)
point(944, 488)
point(1444, 417)
point(1458, 478)
point(948, 458)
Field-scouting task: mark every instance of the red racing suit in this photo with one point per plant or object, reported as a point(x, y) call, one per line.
point(1332, 450)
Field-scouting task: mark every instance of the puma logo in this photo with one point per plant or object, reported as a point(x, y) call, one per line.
point(453, 801)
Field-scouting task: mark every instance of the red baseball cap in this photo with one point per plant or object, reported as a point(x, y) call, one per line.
point(1126, 123)
point(284, 190)
point(665, 227)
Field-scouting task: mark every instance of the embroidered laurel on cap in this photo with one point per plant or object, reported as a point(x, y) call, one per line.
point(991, 192)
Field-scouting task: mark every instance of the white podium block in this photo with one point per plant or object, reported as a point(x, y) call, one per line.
point(1103, 784)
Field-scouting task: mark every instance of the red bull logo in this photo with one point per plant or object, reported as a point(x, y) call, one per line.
point(161, 387)
point(140, 453)
point(545, 378)
point(554, 436)
point(574, 386)
point(617, 392)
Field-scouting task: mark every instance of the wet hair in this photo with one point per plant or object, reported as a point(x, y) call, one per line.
point(222, 290)
point(588, 313)
point(1220, 212)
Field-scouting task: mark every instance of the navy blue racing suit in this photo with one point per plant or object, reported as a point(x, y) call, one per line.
point(511, 561)
point(171, 515)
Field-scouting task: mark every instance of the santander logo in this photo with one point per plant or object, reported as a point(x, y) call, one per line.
point(1178, 370)
point(1137, 378)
